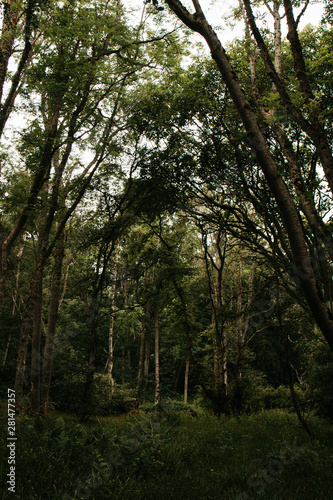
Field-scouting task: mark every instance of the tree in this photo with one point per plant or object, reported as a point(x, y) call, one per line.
point(74, 62)
point(308, 120)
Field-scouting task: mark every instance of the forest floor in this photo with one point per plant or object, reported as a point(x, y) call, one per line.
point(170, 455)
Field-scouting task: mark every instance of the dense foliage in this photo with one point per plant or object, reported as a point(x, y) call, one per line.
point(166, 243)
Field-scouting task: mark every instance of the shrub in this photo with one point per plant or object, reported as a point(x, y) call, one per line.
point(68, 395)
point(319, 378)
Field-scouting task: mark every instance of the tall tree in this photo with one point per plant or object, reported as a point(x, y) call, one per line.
point(308, 121)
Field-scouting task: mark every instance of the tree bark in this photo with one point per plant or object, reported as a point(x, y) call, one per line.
point(187, 371)
point(8, 35)
point(214, 261)
point(146, 363)
point(111, 327)
point(20, 374)
point(52, 325)
point(36, 340)
point(141, 359)
point(92, 348)
point(15, 296)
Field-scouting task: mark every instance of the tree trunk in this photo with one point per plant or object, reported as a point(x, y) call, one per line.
point(111, 327)
point(36, 341)
point(20, 374)
point(242, 313)
point(187, 371)
point(46, 220)
point(12, 15)
point(17, 273)
point(146, 352)
point(177, 377)
point(143, 369)
point(214, 260)
point(5, 354)
point(92, 347)
point(51, 325)
point(15, 295)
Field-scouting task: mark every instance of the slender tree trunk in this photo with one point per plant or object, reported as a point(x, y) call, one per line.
point(13, 12)
point(240, 323)
point(110, 357)
point(215, 260)
point(31, 317)
point(36, 341)
point(45, 224)
point(92, 347)
point(112, 318)
point(211, 395)
point(15, 295)
point(20, 374)
point(242, 326)
point(123, 366)
point(5, 354)
point(187, 371)
point(69, 261)
point(177, 377)
point(52, 324)
point(17, 273)
point(146, 364)
point(128, 352)
point(141, 358)
point(9, 24)
point(238, 391)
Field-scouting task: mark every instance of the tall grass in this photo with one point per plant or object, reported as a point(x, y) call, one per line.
point(172, 454)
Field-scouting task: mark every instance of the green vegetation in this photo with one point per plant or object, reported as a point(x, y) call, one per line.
point(166, 251)
point(171, 454)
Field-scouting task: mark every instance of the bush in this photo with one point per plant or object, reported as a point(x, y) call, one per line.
point(257, 395)
point(319, 378)
point(68, 395)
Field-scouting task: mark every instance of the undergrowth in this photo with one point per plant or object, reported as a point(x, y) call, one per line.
point(171, 454)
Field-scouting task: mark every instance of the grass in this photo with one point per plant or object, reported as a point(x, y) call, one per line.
point(172, 455)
